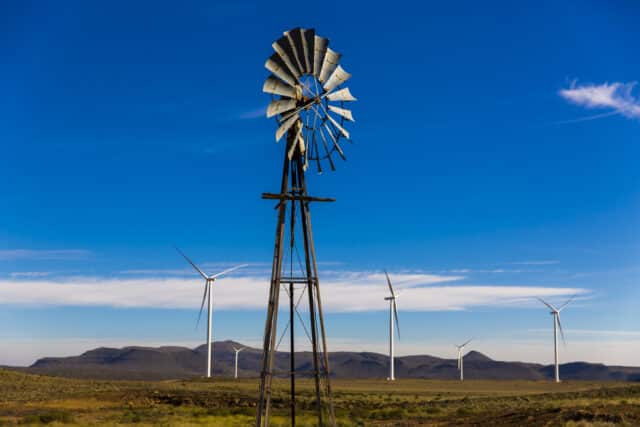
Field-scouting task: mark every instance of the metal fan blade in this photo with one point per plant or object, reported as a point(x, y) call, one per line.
point(204, 297)
point(329, 63)
point(280, 106)
point(395, 313)
point(229, 270)
point(295, 41)
point(337, 125)
point(283, 49)
point(278, 87)
point(338, 77)
point(340, 111)
point(467, 342)
point(192, 264)
point(335, 141)
point(319, 49)
point(341, 95)
point(308, 42)
point(294, 144)
point(276, 65)
point(284, 127)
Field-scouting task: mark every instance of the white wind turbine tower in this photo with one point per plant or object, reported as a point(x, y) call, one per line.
point(393, 315)
point(207, 293)
point(461, 358)
point(555, 312)
point(237, 350)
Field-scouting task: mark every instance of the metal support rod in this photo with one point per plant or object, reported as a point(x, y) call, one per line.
point(555, 347)
point(209, 320)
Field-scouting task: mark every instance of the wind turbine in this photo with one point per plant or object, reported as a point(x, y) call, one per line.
point(461, 358)
point(555, 312)
point(393, 314)
point(237, 350)
point(207, 293)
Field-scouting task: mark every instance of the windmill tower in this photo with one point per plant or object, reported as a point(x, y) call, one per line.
point(308, 104)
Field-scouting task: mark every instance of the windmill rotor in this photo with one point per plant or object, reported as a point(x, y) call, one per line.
point(308, 98)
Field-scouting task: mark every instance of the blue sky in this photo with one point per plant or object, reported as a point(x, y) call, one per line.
point(494, 159)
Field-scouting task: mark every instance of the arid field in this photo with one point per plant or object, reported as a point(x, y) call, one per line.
point(27, 399)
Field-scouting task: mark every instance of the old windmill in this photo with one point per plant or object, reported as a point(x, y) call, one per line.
point(308, 103)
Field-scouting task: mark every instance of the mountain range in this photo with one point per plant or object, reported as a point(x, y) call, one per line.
point(158, 363)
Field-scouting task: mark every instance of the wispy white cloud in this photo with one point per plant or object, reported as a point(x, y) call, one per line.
point(541, 262)
point(17, 274)
point(615, 96)
point(34, 254)
point(253, 114)
point(347, 292)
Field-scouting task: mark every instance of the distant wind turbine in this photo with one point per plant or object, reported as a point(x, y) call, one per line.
point(237, 350)
point(555, 312)
point(207, 293)
point(461, 358)
point(393, 315)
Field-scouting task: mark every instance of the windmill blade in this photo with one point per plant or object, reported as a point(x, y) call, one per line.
point(547, 304)
point(389, 283)
point(564, 341)
point(276, 65)
point(335, 141)
point(319, 49)
point(296, 142)
point(192, 264)
point(283, 49)
point(395, 313)
point(329, 63)
point(338, 77)
point(204, 297)
point(341, 95)
point(566, 303)
point(280, 106)
point(341, 112)
point(308, 40)
point(277, 87)
point(467, 342)
point(284, 127)
point(295, 42)
point(337, 125)
point(229, 270)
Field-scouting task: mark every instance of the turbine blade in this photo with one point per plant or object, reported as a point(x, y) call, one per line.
point(277, 87)
point(192, 264)
point(329, 63)
point(341, 95)
point(286, 125)
point(276, 65)
point(547, 304)
point(338, 77)
point(229, 270)
point(395, 313)
point(280, 106)
point(319, 49)
point(308, 40)
point(467, 342)
point(204, 297)
point(566, 303)
point(564, 341)
point(342, 112)
point(389, 283)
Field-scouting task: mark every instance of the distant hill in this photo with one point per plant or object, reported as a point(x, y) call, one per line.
point(180, 362)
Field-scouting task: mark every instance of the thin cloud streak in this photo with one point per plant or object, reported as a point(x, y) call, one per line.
point(34, 254)
point(616, 96)
point(350, 293)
